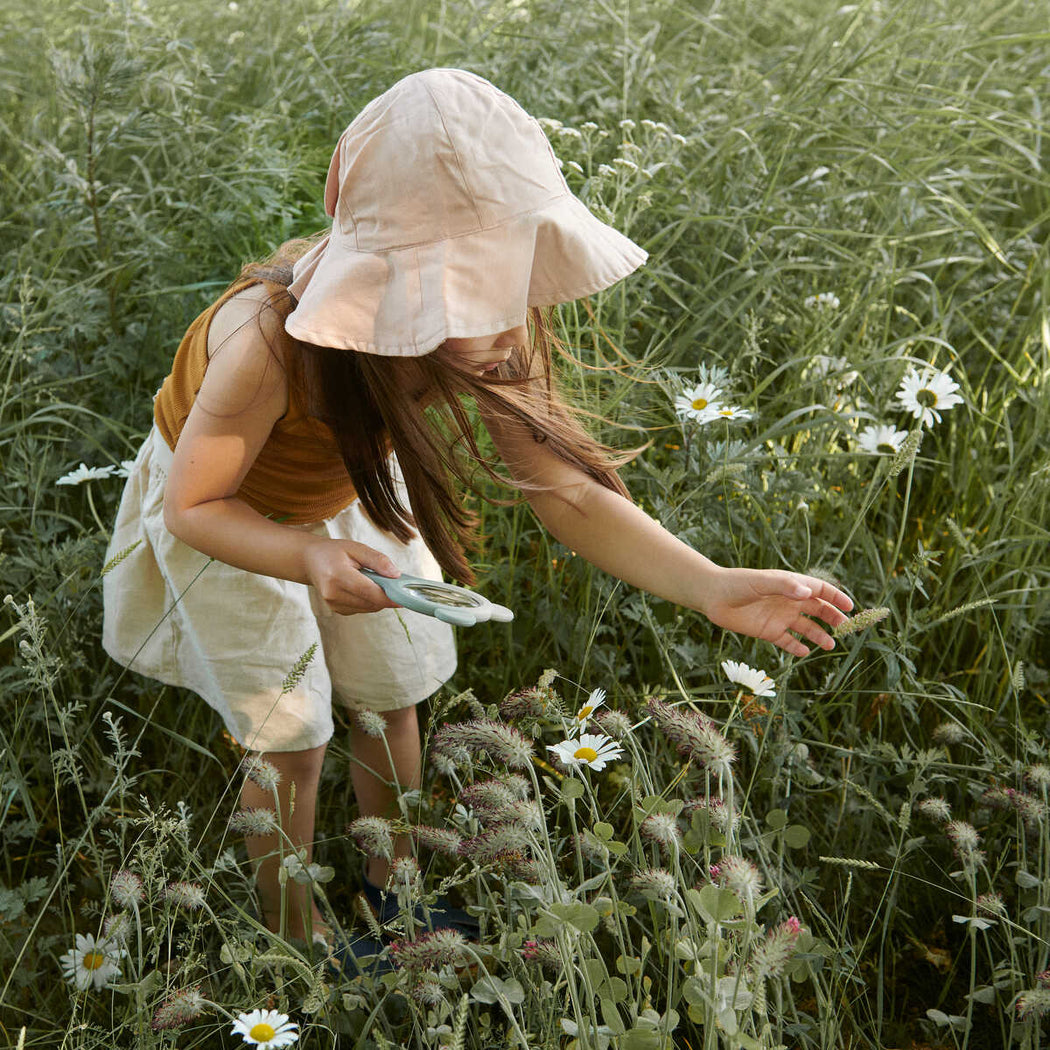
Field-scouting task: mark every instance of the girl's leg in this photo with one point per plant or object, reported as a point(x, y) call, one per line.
point(372, 777)
point(302, 768)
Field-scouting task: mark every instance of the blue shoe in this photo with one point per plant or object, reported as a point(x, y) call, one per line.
point(442, 916)
point(351, 956)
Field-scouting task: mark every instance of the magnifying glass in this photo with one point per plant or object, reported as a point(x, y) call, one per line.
point(443, 601)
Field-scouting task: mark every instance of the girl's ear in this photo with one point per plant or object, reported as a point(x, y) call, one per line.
point(331, 185)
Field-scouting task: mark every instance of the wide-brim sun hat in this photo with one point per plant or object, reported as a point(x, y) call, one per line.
point(450, 218)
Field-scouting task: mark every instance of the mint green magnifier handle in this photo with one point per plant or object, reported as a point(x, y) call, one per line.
point(444, 601)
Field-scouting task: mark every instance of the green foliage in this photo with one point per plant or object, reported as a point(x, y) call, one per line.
point(889, 159)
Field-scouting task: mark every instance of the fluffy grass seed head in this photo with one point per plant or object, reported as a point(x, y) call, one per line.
point(262, 773)
point(694, 734)
point(755, 681)
point(935, 809)
point(964, 840)
point(373, 835)
point(181, 1007)
point(186, 895)
point(739, 875)
point(440, 840)
point(1034, 1003)
point(126, 888)
point(497, 843)
point(119, 927)
point(428, 992)
point(527, 703)
point(254, 823)
point(91, 963)
point(544, 952)
point(265, 1028)
point(371, 723)
point(771, 955)
point(502, 742)
point(405, 876)
point(492, 800)
point(861, 621)
point(949, 733)
point(592, 750)
point(430, 951)
point(656, 884)
point(662, 828)
point(718, 813)
point(991, 904)
point(614, 724)
point(1038, 776)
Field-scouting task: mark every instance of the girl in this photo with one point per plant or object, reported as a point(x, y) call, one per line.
point(311, 427)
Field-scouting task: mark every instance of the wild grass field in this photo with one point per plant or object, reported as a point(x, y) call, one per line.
point(856, 854)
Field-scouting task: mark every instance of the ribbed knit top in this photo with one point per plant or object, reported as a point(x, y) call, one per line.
point(299, 475)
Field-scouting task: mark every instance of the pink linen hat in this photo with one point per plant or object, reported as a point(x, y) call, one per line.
point(450, 217)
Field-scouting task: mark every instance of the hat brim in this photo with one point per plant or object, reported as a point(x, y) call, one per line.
point(407, 301)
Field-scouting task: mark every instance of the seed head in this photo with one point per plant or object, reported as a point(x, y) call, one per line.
point(613, 723)
point(655, 884)
point(440, 840)
point(544, 952)
point(431, 951)
point(496, 843)
point(491, 800)
point(771, 955)
point(525, 703)
point(741, 876)
point(254, 822)
point(118, 927)
point(1038, 776)
point(373, 835)
point(504, 743)
point(405, 876)
point(261, 772)
point(991, 904)
point(1033, 1003)
point(428, 992)
point(662, 828)
point(717, 813)
point(371, 723)
point(126, 888)
point(188, 895)
point(963, 837)
point(861, 621)
point(179, 1008)
point(693, 734)
point(949, 733)
point(935, 808)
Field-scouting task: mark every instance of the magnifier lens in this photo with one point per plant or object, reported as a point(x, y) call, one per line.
point(435, 592)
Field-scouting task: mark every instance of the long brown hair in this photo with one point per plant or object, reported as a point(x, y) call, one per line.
point(413, 405)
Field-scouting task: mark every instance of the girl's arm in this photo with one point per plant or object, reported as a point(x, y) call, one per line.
point(244, 393)
point(618, 537)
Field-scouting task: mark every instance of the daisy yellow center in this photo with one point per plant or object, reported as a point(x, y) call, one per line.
point(726, 412)
point(700, 403)
point(885, 446)
point(585, 711)
point(926, 397)
point(585, 754)
point(93, 960)
point(262, 1031)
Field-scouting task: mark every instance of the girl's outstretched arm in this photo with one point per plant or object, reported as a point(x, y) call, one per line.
point(620, 538)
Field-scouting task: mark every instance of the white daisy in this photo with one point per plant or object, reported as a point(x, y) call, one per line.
point(757, 682)
point(881, 440)
point(698, 402)
point(731, 413)
point(266, 1028)
point(590, 749)
point(596, 699)
point(92, 962)
point(85, 473)
point(928, 393)
point(124, 469)
point(822, 300)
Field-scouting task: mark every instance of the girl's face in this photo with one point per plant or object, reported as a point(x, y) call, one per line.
point(483, 353)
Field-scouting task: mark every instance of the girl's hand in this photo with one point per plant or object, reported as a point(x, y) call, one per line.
point(332, 569)
point(775, 605)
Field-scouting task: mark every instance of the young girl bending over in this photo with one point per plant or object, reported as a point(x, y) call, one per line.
point(311, 426)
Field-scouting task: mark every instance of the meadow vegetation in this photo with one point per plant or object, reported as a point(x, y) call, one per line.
point(855, 854)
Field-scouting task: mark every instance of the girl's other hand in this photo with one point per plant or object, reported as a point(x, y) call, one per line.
point(332, 569)
point(775, 605)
